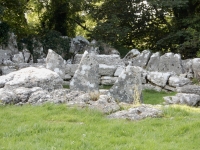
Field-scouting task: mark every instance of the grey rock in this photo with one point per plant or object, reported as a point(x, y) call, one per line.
point(8, 96)
point(137, 113)
point(55, 63)
point(131, 54)
point(12, 43)
point(8, 69)
point(59, 96)
point(107, 80)
point(86, 76)
point(18, 58)
point(158, 78)
point(113, 60)
point(78, 44)
point(23, 93)
point(142, 59)
point(176, 81)
point(71, 69)
point(154, 61)
point(104, 104)
point(151, 87)
point(189, 89)
point(119, 70)
point(170, 88)
point(105, 70)
point(5, 55)
point(32, 77)
point(196, 67)
point(170, 62)
point(183, 98)
point(128, 83)
point(39, 97)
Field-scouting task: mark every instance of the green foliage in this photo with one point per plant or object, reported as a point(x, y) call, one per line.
point(160, 26)
point(4, 30)
point(53, 40)
point(154, 97)
point(195, 81)
point(59, 127)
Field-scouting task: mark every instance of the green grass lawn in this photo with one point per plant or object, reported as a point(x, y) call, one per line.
point(57, 127)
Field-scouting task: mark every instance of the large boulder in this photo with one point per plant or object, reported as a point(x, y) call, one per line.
point(128, 86)
point(189, 89)
point(170, 62)
point(158, 78)
point(55, 63)
point(196, 67)
point(5, 55)
point(137, 113)
point(183, 98)
point(18, 58)
point(142, 59)
point(177, 81)
point(78, 44)
point(103, 103)
point(86, 76)
point(32, 77)
point(153, 62)
point(131, 55)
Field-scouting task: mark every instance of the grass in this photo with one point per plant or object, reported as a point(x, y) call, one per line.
point(57, 127)
point(154, 97)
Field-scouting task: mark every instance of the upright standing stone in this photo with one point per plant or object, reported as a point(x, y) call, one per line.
point(128, 86)
point(56, 63)
point(171, 62)
point(86, 76)
point(153, 62)
point(142, 59)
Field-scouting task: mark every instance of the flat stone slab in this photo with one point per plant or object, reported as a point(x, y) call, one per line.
point(136, 113)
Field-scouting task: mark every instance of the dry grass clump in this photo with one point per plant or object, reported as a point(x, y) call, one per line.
point(94, 95)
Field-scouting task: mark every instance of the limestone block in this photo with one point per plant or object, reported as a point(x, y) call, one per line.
point(170, 62)
point(137, 113)
point(119, 70)
point(128, 85)
point(196, 67)
point(106, 70)
point(183, 98)
point(33, 77)
point(142, 59)
point(151, 87)
point(153, 62)
point(158, 78)
point(176, 81)
point(55, 63)
point(86, 77)
point(107, 80)
point(189, 89)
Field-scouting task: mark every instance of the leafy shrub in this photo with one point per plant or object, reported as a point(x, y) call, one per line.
point(53, 40)
point(4, 29)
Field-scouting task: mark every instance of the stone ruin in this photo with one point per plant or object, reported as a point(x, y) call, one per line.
point(37, 83)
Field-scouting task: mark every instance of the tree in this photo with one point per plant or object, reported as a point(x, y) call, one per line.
point(158, 25)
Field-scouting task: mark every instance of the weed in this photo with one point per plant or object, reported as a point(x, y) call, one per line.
point(195, 81)
point(137, 95)
point(94, 95)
